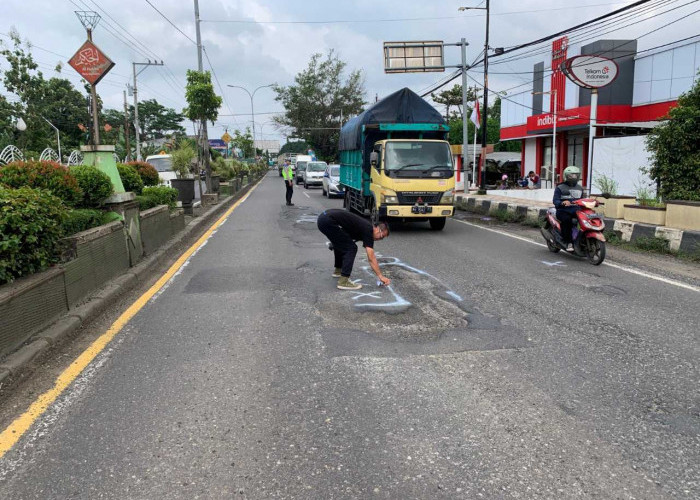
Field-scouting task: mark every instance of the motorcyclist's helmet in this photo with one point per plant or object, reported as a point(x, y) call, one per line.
point(572, 175)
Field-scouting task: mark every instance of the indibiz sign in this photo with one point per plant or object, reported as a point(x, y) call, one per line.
point(590, 72)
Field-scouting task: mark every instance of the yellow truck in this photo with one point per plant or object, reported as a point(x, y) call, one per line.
point(395, 162)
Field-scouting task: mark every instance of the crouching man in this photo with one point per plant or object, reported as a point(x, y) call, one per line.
point(343, 229)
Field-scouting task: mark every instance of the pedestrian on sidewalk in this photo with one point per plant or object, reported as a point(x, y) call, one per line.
point(343, 229)
point(534, 180)
point(288, 176)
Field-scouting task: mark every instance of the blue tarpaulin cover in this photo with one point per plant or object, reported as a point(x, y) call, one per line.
point(403, 106)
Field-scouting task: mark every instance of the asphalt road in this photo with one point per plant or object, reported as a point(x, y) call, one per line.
point(490, 369)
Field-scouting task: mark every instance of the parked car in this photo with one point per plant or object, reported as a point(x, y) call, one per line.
point(331, 182)
point(164, 166)
point(313, 175)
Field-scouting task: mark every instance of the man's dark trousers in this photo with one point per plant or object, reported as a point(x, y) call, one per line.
point(344, 247)
point(290, 191)
point(566, 217)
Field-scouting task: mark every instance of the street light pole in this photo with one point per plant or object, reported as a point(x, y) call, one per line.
point(58, 139)
point(137, 126)
point(252, 107)
point(485, 107)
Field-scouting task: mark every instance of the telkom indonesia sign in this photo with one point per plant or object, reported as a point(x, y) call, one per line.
point(590, 72)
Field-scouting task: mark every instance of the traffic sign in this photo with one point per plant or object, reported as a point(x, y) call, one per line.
point(91, 63)
point(226, 137)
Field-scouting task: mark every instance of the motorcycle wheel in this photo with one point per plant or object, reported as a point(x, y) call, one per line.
point(547, 235)
point(552, 247)
point(595, 251)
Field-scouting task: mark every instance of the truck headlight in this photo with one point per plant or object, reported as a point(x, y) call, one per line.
point(389, 198)
point(448, 197)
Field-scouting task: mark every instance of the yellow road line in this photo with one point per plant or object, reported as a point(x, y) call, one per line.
point(13, 433)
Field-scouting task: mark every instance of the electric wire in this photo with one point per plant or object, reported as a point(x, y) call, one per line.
point(170, 22)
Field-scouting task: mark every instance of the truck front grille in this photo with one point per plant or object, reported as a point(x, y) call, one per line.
point(412, 197)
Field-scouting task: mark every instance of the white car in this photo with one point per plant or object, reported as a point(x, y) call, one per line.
point(313, 174)
point(331, 182)
point(164, 166)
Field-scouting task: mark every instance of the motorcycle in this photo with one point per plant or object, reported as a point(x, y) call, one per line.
point(587, 233)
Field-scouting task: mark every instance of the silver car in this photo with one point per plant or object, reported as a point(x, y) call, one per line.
point(331, 182)
point(313, 174)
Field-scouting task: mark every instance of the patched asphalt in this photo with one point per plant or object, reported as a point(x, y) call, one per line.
point(490, 368)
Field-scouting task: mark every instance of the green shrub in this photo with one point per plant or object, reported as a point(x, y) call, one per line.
point(108, 217)
point(147, 172)
point(130, 178)
point(30, 225)
point(162, 195)
point(95, 184)
point(81, 219)
point(145, 202)
point(43, 175)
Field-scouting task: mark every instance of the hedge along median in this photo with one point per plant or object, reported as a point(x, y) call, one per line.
point(90, 259)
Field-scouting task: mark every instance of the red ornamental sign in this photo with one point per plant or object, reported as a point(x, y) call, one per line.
point(91, 63)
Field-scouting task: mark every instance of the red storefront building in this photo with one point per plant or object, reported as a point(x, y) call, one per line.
point(647, 86)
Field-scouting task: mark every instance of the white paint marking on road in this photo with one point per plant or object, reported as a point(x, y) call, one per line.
point(374, 295)
point(454, 296)
point(307, 195)
point(553, 264)
point(631, 270)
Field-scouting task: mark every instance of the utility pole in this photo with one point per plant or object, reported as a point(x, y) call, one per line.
point(484, 130)
point(204, 136)
point(126, 129)
point(137, 126)
point(465, 139)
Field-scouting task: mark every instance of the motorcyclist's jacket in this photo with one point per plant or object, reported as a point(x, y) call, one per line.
point(287, 173)
point(563, 192)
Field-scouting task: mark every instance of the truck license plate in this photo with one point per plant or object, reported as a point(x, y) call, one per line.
point(421, 210)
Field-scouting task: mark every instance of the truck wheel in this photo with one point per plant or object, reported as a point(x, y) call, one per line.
point(437, 223)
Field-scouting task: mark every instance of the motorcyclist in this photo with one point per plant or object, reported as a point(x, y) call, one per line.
point(564, 194)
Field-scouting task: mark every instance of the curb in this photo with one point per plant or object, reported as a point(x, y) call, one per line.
point(101, 299)
point(679, 240)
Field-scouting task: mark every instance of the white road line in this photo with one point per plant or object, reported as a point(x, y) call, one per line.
point(307, 195)
point(631, 270)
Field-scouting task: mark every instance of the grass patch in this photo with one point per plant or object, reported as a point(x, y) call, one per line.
point(532, 222)
point(506, 216)
point(651, 244)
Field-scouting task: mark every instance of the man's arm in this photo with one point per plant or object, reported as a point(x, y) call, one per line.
point(372, 259)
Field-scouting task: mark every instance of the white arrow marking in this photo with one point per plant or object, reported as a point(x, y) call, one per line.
point(553, 264)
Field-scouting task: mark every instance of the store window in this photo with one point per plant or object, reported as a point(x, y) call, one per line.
point(575, 151)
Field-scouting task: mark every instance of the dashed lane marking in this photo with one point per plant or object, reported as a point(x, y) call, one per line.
point(631, 270)
point(307, 195)
point(12, 434)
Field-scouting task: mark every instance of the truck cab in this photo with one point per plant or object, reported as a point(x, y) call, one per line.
point(401, 168)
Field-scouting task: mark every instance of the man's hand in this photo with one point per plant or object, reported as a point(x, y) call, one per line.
point(566, 203)
point(372, 259)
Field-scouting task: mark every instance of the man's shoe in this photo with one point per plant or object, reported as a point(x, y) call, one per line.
point(336, 273)
point(569, 247)
point(344, 283)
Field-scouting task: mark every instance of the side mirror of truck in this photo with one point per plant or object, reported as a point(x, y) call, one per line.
point(374, 159)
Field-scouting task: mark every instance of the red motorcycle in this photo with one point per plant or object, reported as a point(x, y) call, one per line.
point(587, 234)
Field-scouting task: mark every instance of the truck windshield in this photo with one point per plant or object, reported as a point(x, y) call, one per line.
point(418, 159)
point(164, 164)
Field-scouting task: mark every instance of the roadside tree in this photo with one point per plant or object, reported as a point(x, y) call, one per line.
point(319, 98)
point(675, 149)
point(202, 105)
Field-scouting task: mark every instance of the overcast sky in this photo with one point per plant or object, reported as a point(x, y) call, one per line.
point(272, 40)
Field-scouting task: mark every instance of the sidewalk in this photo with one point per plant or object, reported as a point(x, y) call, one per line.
point(678, 240)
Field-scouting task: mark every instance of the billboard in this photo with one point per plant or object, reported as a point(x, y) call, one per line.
point(414, 57)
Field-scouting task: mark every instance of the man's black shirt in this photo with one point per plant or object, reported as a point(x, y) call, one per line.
point(358, 228)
